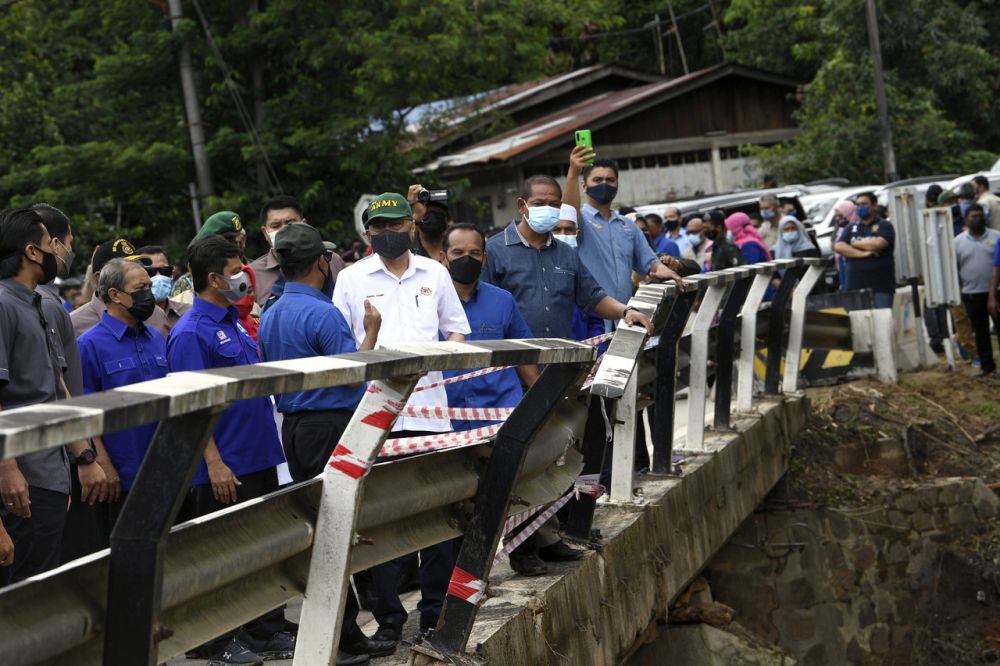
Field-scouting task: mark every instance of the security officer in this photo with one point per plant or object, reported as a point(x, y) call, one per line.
point(226, 224)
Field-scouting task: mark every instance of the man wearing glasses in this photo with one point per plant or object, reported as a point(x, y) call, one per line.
point(161, 276)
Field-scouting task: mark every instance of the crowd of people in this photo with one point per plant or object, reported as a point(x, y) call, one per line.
point(565, 267)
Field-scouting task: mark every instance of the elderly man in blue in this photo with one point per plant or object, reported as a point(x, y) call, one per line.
point(242, 455)
point(118, 351)
point(611, 246)
point(493, 315)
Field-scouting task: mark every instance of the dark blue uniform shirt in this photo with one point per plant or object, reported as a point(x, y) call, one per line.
point(208, 337)
point(546, 283)
point(113, 354)
point(304, 323)
point(493, 315)
point(875, 273)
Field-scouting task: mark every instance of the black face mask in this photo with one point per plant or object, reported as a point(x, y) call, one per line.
point(391, 244)
point(671, 225)
point(433, 224)
point(465, 270)
point(328, 280)
point(710, 234)
point(143, 304)
point(50, 267)
point(977, 226)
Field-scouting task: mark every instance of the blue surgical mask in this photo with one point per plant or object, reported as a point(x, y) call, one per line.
point(767, 214)
point(695, 239)
point(790, 237)
point(729, 236)
point(161, 286)
point(863, 211)
point(542, 219)
point(569, 239)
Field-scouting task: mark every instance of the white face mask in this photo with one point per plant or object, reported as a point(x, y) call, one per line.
point(271, 235)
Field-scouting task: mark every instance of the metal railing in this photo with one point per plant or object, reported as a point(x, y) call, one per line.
point(158, 592)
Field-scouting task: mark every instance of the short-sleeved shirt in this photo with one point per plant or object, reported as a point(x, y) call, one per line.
point(58, 317)
point(31, 362)
point(975, 257)
point(996, 256)
point(415, 307)
point(207, 337)
point(267, 271)
point(664, 244)
point(113, 355)
point(876, 273)
point(545, 282)
point(493, 315)
point(301, 324)
point(611, 250)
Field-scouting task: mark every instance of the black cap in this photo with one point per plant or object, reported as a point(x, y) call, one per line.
point(118, 249)
point(298, 242)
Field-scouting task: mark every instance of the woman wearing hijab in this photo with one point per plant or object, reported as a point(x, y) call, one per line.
point(794, 241)
point(747, 238)
point(844, 214)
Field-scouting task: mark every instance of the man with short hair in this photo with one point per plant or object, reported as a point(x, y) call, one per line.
point(276, 214)
point(304, 323)
point(722, 253)
point(867, 247)
point(87, 316)
point(989, 201)
point(243, 452)
point(417, 302)
point(696, 241)
point(770, 212)
point(974, 252)
point(161, 273)
point(34, 488)
point(119, 351)
point(658, 238)
point(673, 226)
point(610, 246)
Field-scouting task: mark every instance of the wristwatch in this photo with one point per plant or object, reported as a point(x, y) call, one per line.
point(87, 457)
point(627, 308)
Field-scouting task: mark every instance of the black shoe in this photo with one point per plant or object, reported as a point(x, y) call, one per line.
point(559, 552)
point(279, 646)
point(987, 372)
point(235, 653)
point(382, 644)
point(937, 347)
point(528, 564)
point(346, 659)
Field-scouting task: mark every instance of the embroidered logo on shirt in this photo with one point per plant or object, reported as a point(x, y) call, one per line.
point(425, 291)
point(223, 338)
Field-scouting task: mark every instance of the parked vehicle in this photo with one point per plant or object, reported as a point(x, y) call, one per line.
point(744, 201)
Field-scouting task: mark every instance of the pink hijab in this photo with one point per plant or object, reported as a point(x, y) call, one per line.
point(847, 209)
point(743, 232)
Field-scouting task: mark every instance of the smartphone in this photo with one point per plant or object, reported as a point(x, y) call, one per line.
point(583, 139)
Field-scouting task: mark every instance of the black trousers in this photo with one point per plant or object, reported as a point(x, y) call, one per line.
point(436, 564)
point(37, 539)
point(88, 528)
point(979, 316)
point(308, 439)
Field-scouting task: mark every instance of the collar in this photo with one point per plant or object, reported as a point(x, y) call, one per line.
point(118, 328)
point(213, 311)
point(22, 292)
point(512, 236)
point(596, 213)
point(305, 290)
point(374, 263)
point(268, 261)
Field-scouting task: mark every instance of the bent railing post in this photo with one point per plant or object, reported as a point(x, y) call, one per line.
point(793, 355)
point(748, 335)
point(776, 330)
point(698, 375)
point(485, 527)
point(724, 346)
point(666, 377)
point(623, 452)
point(135, 573)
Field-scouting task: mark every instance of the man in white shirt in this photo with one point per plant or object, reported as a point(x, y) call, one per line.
point(418, 301)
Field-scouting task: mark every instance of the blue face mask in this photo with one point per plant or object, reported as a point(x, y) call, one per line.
point(790, 237)
point(543, 219)
point(767, 214)
point(569, 239)
point(161, 286)
point(863, 211)
point(730, 237)
point(695, 239)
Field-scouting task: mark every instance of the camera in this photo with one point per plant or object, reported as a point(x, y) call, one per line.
point(426, 196)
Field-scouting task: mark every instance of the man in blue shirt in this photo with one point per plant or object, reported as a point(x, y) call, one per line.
point(493, 315)
point(610, 246)
point(242, 455)
point(119, 351)
point(867, 246)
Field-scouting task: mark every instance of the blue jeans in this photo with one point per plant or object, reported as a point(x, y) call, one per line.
point(883, 299)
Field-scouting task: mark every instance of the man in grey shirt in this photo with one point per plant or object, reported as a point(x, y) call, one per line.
point(974, 250)
point(34, 488)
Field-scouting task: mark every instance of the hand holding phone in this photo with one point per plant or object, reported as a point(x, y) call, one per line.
point(583, 138)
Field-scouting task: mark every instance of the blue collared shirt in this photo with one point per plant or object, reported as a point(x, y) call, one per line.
point(546, 283)
point(611, 250)
point(493, 315)
point(114, 354)
point(304, 323)
point(664, 244)
point(208, 337)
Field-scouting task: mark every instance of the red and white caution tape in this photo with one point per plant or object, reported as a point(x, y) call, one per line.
point(445, 440)
point(347, 462)
point(519, 518)
point(598, 339)
point(467, 587)
point(468, 375)
point(378, 411)
point(467, 413)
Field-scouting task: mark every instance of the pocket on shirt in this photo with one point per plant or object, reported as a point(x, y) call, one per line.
point(161, 361)
point(229, 354)
point(119, 365)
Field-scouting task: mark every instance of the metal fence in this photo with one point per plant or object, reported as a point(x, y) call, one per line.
point(159, 591)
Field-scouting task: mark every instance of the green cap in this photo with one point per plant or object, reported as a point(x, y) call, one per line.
point(298, 242)
point(223, 222)
point(388, 206)
point(945, 196)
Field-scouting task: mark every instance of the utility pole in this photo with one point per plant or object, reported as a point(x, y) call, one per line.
point(658, 43)
point(881, 100)
point(677, 34)
point(192, 110)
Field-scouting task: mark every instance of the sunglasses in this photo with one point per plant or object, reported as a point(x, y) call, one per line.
point(166, 271)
